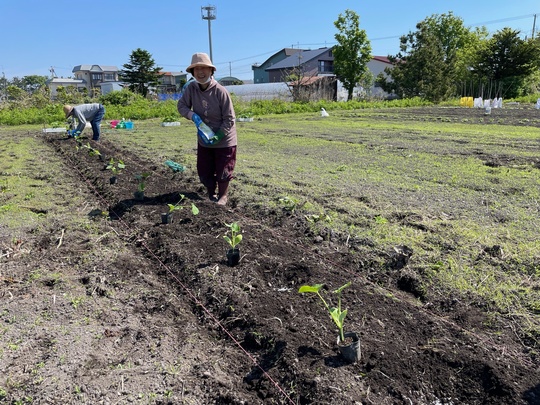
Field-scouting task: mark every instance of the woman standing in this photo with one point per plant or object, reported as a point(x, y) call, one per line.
point(209, 105)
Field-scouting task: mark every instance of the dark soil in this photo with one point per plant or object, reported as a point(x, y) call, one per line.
point(172, 323)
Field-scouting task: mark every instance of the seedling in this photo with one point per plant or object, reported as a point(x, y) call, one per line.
point(115, 167)
point(177, 206)
point(236, 236)
point(337, 315)
point(141, 178)
point(91, 151)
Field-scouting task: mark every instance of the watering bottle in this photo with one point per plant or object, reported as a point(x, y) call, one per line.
point(203, 130)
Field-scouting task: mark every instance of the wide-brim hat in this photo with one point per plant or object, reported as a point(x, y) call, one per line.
point(67, 110)
point(200, 59)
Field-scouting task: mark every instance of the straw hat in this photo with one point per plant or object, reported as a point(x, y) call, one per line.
point(67, 110)
point(200, 59)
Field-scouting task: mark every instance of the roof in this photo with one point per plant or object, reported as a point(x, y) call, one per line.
point(382, 59)
point(95, 68)
point(298, 58)
point(173, 74)
point(65, 81)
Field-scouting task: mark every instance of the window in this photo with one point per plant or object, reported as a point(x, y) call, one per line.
point(108, 77)
point(96, 76)
point(326, 66)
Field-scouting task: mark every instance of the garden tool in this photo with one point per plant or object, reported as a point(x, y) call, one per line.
point(175, 167)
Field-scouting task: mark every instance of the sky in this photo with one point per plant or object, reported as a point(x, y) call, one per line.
point(37, 36)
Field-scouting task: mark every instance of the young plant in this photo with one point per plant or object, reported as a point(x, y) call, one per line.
point(115, 167)
point(92, 151)
point(235, 236)
point(141, 178)
point(337, 315)
point(177, 206)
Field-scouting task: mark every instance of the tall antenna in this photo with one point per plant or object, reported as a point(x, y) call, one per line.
point(210, 15)
point(53, 73)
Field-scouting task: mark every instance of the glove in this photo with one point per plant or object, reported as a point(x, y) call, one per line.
point(196, 119)
point(219, 136)
point(73, 133)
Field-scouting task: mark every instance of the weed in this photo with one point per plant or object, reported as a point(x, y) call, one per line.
point(76, 302)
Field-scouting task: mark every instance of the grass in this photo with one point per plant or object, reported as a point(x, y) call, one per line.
point(376, 175)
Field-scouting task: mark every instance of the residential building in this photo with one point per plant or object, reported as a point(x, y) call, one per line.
point(260, 72)
point(171, 82)
point(310, 63)
point(54, 83)
point(93, 76)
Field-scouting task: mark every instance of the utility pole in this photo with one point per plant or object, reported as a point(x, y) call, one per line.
point(3, 95)
point(534, 26)
point(210, 15)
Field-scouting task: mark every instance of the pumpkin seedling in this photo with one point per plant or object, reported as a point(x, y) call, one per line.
point(336, 313)
point(235, 236)
point(141, 178)
point(115, 167)
point(233, 254)
point(166, 217)
point(177, 206)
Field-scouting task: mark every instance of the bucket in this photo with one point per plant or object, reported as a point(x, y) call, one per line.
point(129, 125)
point(113, 123)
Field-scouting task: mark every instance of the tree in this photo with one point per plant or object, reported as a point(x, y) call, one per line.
point(507, 61)
point(426, 65)
point(33, 83)
point(141, 72)
point(352, 52)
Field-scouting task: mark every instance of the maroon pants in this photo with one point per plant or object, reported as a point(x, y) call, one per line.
point(215, 165)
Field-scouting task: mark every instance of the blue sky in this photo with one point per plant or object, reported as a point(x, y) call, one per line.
point(36, 35)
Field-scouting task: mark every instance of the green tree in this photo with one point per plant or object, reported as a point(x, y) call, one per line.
point(427, 64)
point(507, 61)
point(352, 52)
point(15, 93)
point(141, 72)
point(33, 83)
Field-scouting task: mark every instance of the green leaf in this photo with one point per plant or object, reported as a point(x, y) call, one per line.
point(310, 288)
point(340, 289)
point(194, 209)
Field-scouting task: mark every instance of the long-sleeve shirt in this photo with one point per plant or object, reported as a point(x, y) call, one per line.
point(83, 113)
point(214, 106)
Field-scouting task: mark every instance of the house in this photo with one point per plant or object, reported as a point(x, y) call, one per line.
point(171, 82)
point(93, 76)
point(311, 63)
point(54, 83)
point(260, 74)
point(229, 81)
point(376, 66)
